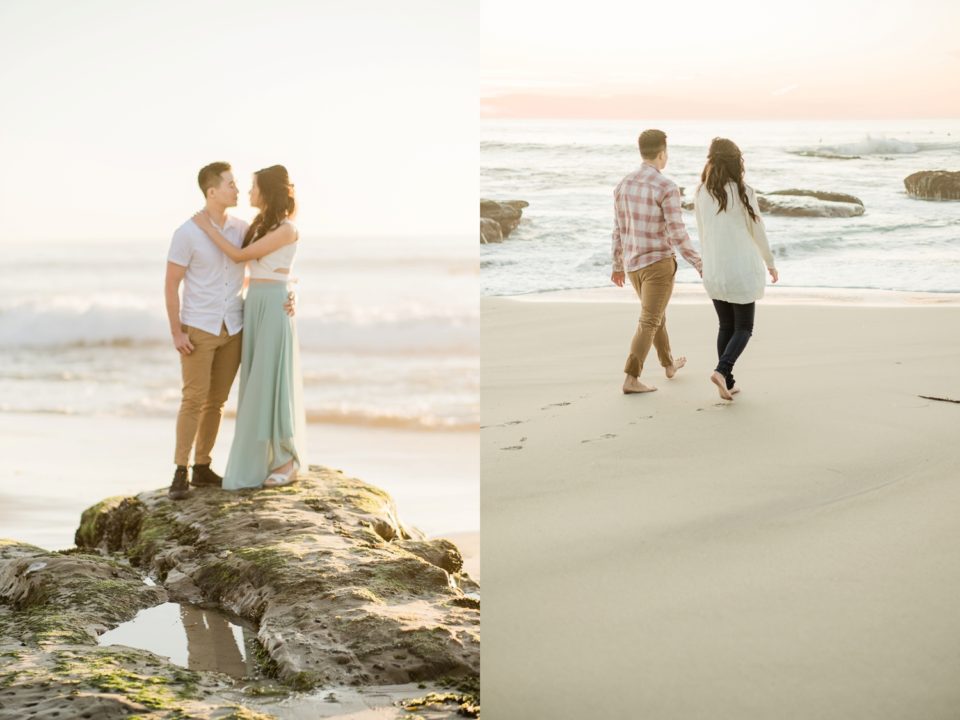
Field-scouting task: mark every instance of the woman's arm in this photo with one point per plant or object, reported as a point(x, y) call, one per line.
point(758, 230)
point(273, 240)
point(698, 214)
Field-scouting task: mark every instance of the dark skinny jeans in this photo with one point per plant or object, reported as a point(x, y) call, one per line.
point(736, 327)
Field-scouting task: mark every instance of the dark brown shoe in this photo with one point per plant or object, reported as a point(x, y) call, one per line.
point(179, 488)
point(203, 476)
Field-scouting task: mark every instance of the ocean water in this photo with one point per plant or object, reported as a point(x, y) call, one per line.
point(388, 328)
point(567, 171)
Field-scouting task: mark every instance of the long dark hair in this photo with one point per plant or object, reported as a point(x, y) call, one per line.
point(276, 197)
point(725, 164)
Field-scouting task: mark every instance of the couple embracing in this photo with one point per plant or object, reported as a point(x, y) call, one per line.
point(648, 225)
point(216, 331)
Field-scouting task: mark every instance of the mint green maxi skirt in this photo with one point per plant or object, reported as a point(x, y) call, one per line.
point(271, 423)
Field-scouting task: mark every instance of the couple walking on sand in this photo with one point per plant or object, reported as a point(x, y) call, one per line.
point(648, 224)
point(217, 331)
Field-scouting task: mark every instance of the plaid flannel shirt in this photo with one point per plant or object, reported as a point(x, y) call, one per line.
point(648, 221)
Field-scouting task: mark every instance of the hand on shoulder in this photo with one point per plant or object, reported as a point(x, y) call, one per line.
point(202, 221)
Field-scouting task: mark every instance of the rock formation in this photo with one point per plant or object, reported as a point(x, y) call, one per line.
point(805, 203)
point(809, 203)
point(505, 216)
point(52, 607)
point(933, 185)
point(490, 231)
point(341, 593)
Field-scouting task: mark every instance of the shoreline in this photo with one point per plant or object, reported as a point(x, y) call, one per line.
point(693, 293)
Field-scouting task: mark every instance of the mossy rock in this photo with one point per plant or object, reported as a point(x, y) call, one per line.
point(60, 598)
point(296, 559)
point(113, 682)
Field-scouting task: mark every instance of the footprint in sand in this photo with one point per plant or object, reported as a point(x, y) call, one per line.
point(516, 447)
point(607, 436)
point(506, 424)
point(716, 405)
point(559, 404)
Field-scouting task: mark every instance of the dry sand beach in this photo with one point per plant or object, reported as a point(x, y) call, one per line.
point(792, 554)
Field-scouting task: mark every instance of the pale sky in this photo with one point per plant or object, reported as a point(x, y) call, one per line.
point(110, 107)
point(705, 59)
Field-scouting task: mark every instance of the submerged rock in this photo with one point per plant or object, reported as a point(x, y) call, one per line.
point(819, 195)
point(933, 185)
point(804, 203)
point(807, 204)
point(506, 214)
point(341, 592)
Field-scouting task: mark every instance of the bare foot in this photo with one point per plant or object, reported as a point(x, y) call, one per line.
point(677, 364)
point(735, 389)
point(721, 383)
point(632, 386)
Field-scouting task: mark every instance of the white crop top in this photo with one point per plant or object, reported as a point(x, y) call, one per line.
point(266, 267)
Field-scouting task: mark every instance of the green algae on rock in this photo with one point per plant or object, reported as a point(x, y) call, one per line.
point(112, 683)
point(52, 608)
point(66, 598)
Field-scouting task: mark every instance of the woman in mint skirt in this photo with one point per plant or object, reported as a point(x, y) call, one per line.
point(268, 445)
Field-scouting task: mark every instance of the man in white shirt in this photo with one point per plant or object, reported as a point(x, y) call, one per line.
point(206, 328)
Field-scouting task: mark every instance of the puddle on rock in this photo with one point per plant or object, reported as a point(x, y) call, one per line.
point(192, 637)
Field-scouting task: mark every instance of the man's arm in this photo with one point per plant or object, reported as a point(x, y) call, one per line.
point(171, 292)
point(677, 231)
point(617, 276)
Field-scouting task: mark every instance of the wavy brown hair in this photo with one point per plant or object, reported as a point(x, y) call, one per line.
point(277, 199)
point(725, 165)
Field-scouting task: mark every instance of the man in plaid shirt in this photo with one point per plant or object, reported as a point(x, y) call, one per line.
point(647, 224)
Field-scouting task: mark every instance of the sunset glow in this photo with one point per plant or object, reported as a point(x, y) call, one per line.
point(704, 59)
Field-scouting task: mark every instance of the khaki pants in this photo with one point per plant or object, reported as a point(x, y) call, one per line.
point(654, 286)
point(208, 374)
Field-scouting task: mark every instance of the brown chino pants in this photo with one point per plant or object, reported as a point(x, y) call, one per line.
point(654, 286)
point(208, 374)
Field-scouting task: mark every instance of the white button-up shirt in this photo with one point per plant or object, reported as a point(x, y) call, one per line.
point(213, 284)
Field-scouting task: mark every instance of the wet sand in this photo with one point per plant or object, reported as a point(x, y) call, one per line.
point(792, 554)
point(53, 467)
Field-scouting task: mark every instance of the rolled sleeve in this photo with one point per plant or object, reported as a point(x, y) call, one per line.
point(181, 249)
point(617, 240)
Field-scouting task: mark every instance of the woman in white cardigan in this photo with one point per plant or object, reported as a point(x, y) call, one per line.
point(734, 247)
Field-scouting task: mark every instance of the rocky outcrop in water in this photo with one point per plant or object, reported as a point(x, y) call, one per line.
point(495, 216)
point(805, 203)
point(340, 591)
point(809, 203)
point(490, 231)
point(933, 185)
